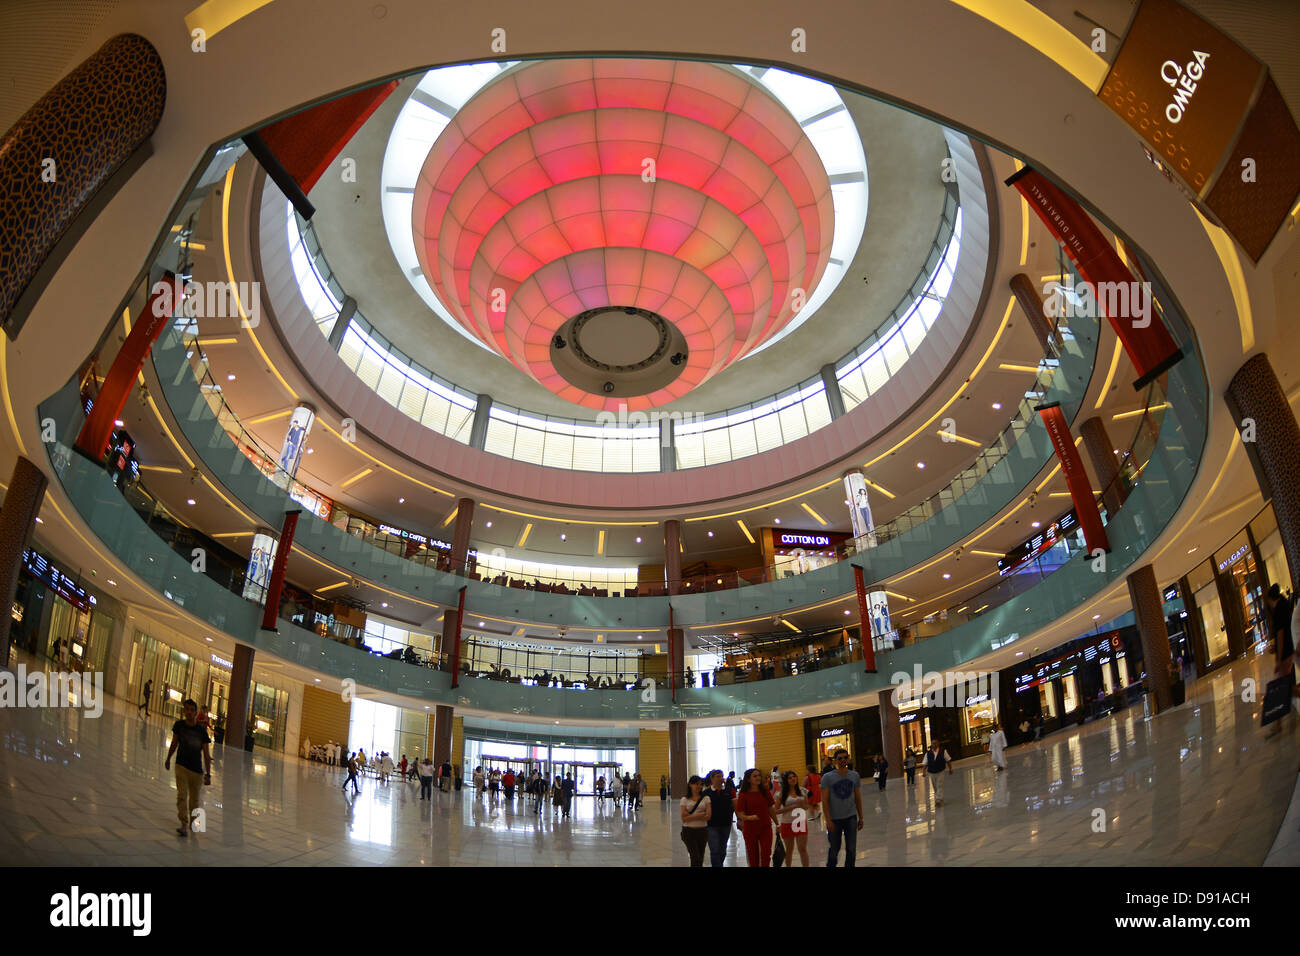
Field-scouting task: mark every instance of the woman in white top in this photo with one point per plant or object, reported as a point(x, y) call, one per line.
point(478, 781)
point(616, 789)
point(696, 809)
point(790, 800)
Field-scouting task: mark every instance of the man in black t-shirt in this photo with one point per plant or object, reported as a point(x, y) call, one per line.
point(193, 765)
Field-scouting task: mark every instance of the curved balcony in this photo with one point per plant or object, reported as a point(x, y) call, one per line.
point(974, 496)
point(1166, 477)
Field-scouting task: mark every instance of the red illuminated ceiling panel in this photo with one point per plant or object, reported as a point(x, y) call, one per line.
point(682, 188)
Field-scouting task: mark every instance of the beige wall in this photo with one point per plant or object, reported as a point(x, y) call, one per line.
point(781, 744)
point(652, 759)
point(325, 716)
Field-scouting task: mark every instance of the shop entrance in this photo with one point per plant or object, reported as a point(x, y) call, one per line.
point(915, 733)
point(826, 747)
point(585, 775)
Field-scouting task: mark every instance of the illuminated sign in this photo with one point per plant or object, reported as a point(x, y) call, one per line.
point(908, 718)
point(977, 699)
point(794, 539)
point(222, 661)
point(39, 567)
point(1234, 557)
point(1038, 544)
point(835, 731)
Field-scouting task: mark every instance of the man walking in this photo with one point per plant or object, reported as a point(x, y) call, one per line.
point(148, 692)
point(720, 816)
point(842, 809)
point(353, 767)
point(193, 765)
point(426, 778)
point(936, 760)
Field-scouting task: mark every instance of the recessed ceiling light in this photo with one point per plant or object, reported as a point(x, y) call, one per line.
point(311, 451)
point(385, 604)
point(846, 613)
point(1036, 524)
point(118, 422)
point(112, 582)
point(489, 524)
point(778, 520)
point(1096, 617)
point(189, 501)
point(946, 575)
point(638, 539)
point(564, 537)
point(480, 624)
point(1190, 550)
point(40, 520)
point(401, 501)
point(318, 680)
point(799, 713)
point(997, 406)
point(230, 377)
point(638, 637)
point(710, 534)
point(920, 464)
point(209, 640)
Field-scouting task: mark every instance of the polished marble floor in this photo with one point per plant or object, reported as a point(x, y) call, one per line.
point(1199, 785)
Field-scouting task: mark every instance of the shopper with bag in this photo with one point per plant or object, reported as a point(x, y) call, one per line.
point(695, 809)
point(882, 770)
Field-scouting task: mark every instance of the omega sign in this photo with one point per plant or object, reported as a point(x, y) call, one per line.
point(1183, 80)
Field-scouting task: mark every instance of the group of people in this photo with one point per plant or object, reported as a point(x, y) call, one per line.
point(626, 791)
point(790, 806)
point(407, 770)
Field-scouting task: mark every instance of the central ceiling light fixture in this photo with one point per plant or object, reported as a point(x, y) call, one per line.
point(684, 190)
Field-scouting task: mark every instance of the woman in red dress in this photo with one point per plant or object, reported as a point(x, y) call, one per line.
point(755, 809)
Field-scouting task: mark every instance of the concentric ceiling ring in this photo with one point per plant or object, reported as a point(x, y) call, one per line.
point(584, 184)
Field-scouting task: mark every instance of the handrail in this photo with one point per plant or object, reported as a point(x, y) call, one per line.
point(366, 529)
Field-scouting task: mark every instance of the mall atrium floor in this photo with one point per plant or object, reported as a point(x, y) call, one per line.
point(1199, 785)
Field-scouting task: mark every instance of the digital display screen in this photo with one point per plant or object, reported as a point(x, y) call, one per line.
point(39, 567)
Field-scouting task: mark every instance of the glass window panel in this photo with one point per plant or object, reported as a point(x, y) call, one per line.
point(913, 332)
point(618, 455)
point(587, 454)
point(412, 401)
point(529, 443)
point(895, 352)
point(793, 424)
point(690, 450)
point(500, 438)
point(390, 384)
point(743, 442)
point(767, 433)
point(874, 372)
point(558, 451)
point(717, 448)
point(435, 412)
point(369, 368)
point(817, 411)
point(645, 454)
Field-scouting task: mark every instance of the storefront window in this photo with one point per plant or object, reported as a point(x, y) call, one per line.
point(1047, 699)
point(270, 714)
point(1107, 676)
point(1212, 622)
point(1121, 664)
point(1236, 564)
point(1070, 691)
point(978, 717)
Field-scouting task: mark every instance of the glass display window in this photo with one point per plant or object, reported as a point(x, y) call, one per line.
point(1121, 665)
point(1047, 699)
point(978, 718)
point(1212, 622)
point(1070, 692)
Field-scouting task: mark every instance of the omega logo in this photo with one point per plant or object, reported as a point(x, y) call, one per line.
point(1183, 82)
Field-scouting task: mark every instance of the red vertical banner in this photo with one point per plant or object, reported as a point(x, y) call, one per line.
point(864, 615)
point(1076, 479)
point(276, 585)
point(164, 301)
point(1125, 302)
point(455, 643)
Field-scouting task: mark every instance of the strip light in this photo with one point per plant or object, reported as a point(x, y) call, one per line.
point(818, 518)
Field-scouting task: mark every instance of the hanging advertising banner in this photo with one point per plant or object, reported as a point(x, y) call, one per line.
point(1126, 303)
point(1076, 479)
point(295, 440)
point(455, 643)
point(864, 615)
point(260, 557)
point(855, 492)
point(276, 585)
point(164, 300)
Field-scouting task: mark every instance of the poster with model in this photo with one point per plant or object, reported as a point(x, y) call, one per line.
point(864, 533)
point(258, 577)
point(295, 440)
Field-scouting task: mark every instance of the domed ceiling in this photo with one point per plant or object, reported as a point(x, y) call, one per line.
point(623, 230)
